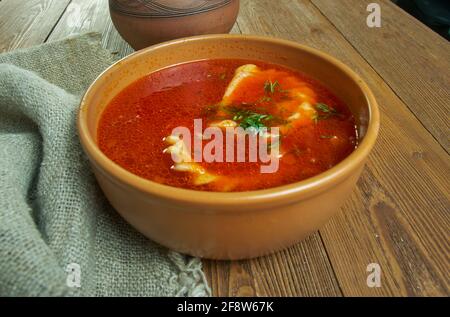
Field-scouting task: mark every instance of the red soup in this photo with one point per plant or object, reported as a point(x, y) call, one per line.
point(315, 130)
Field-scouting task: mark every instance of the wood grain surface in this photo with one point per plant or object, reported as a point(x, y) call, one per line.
point(84, 16)
point(398, 216)
point(27, 23)
point(411, 59)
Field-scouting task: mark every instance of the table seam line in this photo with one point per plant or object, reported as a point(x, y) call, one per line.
point(57, 22)
point(331, 265)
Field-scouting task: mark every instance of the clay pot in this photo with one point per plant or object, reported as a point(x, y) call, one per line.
point(146, 22)
point(233, 225)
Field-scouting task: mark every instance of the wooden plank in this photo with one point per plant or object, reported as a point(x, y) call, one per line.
point(26, 23)
point(302, 270)
point(236, 29)
point(84, 16)
point(411, 59)
point(398, 216)
point(80, 17)
point(230, 278)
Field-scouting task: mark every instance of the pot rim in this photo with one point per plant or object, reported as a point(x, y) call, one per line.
point(298, 190)
point(113, 6)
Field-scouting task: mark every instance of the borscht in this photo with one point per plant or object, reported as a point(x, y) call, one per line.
point(299, 125)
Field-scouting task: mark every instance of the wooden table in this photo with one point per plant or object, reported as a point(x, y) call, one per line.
point(398, 216)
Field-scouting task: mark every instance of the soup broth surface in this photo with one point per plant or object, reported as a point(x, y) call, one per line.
point(317, 130)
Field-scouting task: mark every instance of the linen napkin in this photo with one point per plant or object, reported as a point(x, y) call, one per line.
point(58, 234)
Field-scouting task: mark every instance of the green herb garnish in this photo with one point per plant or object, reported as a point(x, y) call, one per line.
point(325, 108)
point(270, 87)
point(223, 76)
point(326, 112)
point(248, 119)
point(327, 136)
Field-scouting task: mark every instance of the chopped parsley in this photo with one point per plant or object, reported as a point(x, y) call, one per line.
point(246, 118)
point(324, 112)
point(325, 108)
point(251, 120)
point(271, 87)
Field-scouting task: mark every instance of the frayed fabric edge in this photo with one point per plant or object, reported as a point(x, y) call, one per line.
point(190, 281)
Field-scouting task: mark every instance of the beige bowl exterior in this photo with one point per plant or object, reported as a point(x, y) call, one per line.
point(229, 225)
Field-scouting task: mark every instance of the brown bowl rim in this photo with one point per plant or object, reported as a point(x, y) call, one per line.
point(305, 188)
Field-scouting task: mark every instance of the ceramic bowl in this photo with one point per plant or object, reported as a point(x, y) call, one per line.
point(146, 22)
point(229, 225)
